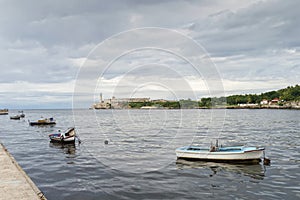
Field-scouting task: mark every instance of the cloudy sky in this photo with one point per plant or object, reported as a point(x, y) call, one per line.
point(53, 52)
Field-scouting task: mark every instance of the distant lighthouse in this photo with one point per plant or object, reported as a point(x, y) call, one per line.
point(101, 101)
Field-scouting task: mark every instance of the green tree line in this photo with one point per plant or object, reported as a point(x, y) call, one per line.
point(291, 93)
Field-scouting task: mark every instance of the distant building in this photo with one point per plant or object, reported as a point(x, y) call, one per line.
point(117, 103)
point(264, 102)
point(159, 101)
point(149, 107)
point(274, 101)
point(247, 104)
point(129, 100)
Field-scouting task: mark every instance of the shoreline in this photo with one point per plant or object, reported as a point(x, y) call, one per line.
point(255, 107)
point(204, 108)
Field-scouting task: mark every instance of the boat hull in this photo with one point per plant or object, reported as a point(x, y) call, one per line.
point(65, 140)
point(229, 154)
point(68, 136)
point(15, 117)
point(41, 123)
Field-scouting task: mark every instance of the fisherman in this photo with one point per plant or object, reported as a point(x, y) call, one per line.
point(213, 148)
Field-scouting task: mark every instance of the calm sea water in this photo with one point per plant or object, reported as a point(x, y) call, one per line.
point(139, 161)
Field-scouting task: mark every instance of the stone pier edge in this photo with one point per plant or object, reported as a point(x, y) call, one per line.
point(38, 192)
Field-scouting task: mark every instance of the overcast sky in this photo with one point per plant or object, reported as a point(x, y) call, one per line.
point(46, 46)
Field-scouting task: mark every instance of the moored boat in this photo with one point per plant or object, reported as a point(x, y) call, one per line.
point(22, 115)
point(15, 117)
point(43, 121)
point(221, 154)
point(4, 112)
point(68, 136)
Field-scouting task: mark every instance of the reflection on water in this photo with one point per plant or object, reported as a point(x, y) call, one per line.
point(66, 148)
point(256, 171)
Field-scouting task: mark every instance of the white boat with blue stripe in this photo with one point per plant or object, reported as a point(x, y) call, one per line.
point(221, 154)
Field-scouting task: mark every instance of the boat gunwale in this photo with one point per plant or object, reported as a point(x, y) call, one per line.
point(227, 150)
point(41, 123)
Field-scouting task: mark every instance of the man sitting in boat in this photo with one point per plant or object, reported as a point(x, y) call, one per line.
point(214, 148)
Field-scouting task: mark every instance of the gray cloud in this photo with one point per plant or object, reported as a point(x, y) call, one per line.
point(252, 30)
point(258, 41)
point(45, 42)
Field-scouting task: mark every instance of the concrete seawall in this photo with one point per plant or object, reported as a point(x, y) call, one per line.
point(14, 182)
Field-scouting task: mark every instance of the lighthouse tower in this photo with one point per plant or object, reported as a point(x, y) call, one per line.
point(101, 100)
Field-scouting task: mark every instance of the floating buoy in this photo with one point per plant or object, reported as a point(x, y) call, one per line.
point(106, 142)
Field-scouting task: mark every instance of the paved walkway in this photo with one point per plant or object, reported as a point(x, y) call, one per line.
point(14, 182)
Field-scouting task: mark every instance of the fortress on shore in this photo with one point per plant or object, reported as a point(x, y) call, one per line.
point(117, 103)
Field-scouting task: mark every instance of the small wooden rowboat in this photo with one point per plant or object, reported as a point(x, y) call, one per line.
point(68, 136)
point(3, 111)
point(22, 115)
point(221, 154)
point(15, 117)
